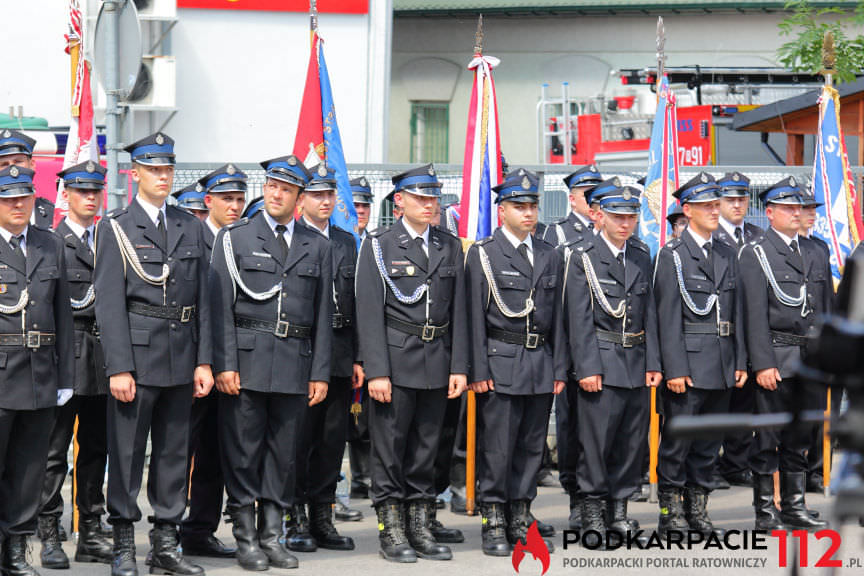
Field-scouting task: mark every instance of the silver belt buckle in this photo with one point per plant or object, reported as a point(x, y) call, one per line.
point(428, 334)
point(186, 313)
point(34, 339)
point(531, 340)
point(282, 328)
point(626, 340)
point(724, 329)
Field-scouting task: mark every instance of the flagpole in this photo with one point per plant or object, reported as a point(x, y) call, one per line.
point(828, 59)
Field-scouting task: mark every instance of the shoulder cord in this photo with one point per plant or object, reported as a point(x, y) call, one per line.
point(90, 295)
point(382, 270)
point(685, 295)
point(237, 280)
point(129, 255)
point(496, 293)
point(562, 238)
point(597, 291)
point(781, 296)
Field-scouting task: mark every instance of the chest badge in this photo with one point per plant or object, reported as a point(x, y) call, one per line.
point(410, 270)
point(3, 288)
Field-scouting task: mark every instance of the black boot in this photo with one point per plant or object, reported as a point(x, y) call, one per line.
point(347, 514)
point(14, 560)
point(419, 535)
point(299, 538)
point(671, 511)
point(593, 523)
point(520, 522)
point(269, 530)
point(696, 511)
point(52, 554)
point(442, 534)
point(767, 515)
point(391, 533)
point(616, 517)
point(575, 520)
point(322, 529)
point(793, 509)
point(249, 554)
point(123, 563)
point(165, 557)
point(494, 530)
point(92, 545)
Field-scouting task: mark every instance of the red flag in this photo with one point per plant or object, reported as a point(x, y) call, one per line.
point(309, 140)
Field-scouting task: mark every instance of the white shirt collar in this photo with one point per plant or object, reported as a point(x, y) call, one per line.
point(78, 230)
point(212, 226)
point(585, 221)
point(516, 242)
point(413, 233)
point(730, 228)
point(614, 249)
point(152, 211)
point(700, 241)
point(7, 235)
point(325, 232)
point(289, 228)
point(787, 239)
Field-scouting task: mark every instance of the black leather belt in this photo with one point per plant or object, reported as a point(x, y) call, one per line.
point(790, 339)
point(529, 340)
point(31, 339)
point(628, 340)
point(712, 328)
point(281, 329)
point(342, 321)
point(87, 325)
point(426, 332)
point(182, 313)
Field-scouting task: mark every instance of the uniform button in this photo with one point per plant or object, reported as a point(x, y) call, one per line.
point(258, 265)
point(78, 275)
point(628, 293)
point(145, 257)
point(170, 259)
point(283, 314)
point(35, 326)
point(173, 326)
point(173, 280)
point(173, 303)
point(285, 275)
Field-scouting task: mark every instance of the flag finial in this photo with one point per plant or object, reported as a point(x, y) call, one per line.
point(478, 36)
point(829, 55)
point(661, 47)
point(313, 14)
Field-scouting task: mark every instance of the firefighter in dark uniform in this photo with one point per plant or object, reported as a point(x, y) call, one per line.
point(219, 196)
point(154, 322)
point(612, 322)
point(82, 189)
point(695, 285)
point(734, 232)
point(787, 287)
point(413, 334)
point(519, 359)
point(37, 356)
point(16, 148)
point(677, 221)
point(271, 287)
point(579, 219)
point(325, 431)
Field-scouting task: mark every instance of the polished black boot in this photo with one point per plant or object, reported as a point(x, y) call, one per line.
point(593, 523)
point(520, 522)
point(575, 520)
point(165, 557)
point(767, 515)
point(322, 529)
point(696, 511)
point(442, 534)
point(793, 508)
point(391, 533)
point(249, 554)
point(671, 511)
point(269, 530)
point(123, 563)
point(494, 530)
point(14, 557)
point(616, 517)
point(299, 538)
point(52, 554)
point(92, 545)
point(419, 535)
point(346, 514)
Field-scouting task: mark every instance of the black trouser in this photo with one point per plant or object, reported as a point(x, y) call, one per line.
point(783, 449)
point(24, 437)
point(511, 432)
point(259, 434)
point(613, 430)
point(163, 415)
point(736, 445)
point(567, 422)
point(815, 452)
point(322, 445)
point(206, 481)
point(444, 456)
point(359, 444)
point(92, 456)
point(405, 434)
point(687, 461)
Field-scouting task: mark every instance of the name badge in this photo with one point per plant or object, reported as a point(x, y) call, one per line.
point(607, 281)
point(510, 273)
point(698, 277)
point(262, 254)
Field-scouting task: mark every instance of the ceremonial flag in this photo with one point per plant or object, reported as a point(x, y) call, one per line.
point(838, 221)
point(82, 144)
point(662, 178)
point(318, 138)
point(482, 165)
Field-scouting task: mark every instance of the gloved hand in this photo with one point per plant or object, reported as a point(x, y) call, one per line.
point(63, 396)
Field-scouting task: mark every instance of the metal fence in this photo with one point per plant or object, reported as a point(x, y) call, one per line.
point(554, 203)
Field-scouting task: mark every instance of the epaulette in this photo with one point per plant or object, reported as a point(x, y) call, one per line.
point(378, 231)
point(237, 223)
point(446, 230)
point(484, 241)
point(116, 212)
point(339, 230)
point(637, 243)
point(674, 243)
point(575, 240)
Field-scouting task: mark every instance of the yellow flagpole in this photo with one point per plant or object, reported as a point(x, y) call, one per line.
point(75, 55)
point(826, 447)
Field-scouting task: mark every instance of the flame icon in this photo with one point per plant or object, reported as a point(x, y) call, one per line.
point(535, 545)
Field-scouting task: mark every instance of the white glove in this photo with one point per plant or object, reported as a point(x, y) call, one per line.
point(63, 396)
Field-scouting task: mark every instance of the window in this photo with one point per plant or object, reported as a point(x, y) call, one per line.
point(430, 123)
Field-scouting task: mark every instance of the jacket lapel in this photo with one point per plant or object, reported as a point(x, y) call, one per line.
point(174, 228)
point(34, 252)
point(436, 249)
point(270, 243)
point(299, 245)
point(148, 229)
point(413, 252)
point(516, 261)
point(609, 261)
point(784, 250)
point(632, 272)
point(12, 259)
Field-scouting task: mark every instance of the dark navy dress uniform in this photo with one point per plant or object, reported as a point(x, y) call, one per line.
point(13, 142)
point(780, 320)
point(523, 354)
point(37, 368)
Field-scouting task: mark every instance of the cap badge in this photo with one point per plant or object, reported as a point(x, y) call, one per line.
point(13, 171)
point(91, 167)
point(292, 161)
point(792, 181)
point(626, 194)
point(592, 168)
point(231, 170)
point(363, 182)
point(160, 140)
point(521, 172)
point(704, 178)
point(199, 188)
point(322, 170)
point(431, 171)
point(736, 177)
point(7, 134)
point(616, 181)
point(526, 184)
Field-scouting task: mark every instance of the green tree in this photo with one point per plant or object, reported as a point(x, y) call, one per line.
point(808, 25)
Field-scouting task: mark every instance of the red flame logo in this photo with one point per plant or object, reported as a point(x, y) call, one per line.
point(535, 545)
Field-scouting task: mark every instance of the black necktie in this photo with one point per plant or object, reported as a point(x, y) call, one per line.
point(523, 251)
point(796, 254)
point(620, 259)
point(15, 243)
point(739, 237)
point(420, 244)
point(160, 227)
point(280, 236)
point(85, 239)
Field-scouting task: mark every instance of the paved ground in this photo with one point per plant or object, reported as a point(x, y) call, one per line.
point(730, 509)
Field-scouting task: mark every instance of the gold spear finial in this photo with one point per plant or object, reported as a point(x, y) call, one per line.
point(478, 36)
point(829, 55)
point(313, 14)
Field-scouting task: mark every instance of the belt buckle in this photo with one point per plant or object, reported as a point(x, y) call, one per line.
point(338, 321)
point(531, 340)
point(282, 328)
point(34, 339)
point(428, 334)
point(186, 313)
point(724, 329)
point(626, 340)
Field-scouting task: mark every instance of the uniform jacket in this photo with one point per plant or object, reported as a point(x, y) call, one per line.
point(159, 352)
point(90, 378)
point(514, 368)
point(266, 362)
point(29, 378)
point(571, 226)
point(765, 313)
point(751, 233)
point(620, 367)
point(710, 360)
point(387, 352)
point(209, 239)
point(43, 213)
